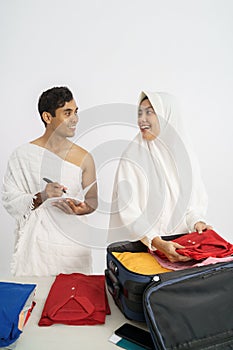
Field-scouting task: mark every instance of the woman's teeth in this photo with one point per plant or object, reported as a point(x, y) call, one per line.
point(145, 127)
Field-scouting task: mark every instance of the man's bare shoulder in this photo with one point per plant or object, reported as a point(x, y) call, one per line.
point(76, 148)
point(79, 156)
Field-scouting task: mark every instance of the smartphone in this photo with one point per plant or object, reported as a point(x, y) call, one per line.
point(136, 335)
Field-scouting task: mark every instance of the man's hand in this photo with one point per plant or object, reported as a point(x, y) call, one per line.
point(71, 206)
point(79, 208)
point(53, 189)
point(169, 249)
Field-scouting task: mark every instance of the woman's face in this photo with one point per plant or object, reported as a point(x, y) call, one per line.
point(148, 121)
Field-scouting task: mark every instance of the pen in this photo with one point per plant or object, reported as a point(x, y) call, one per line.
point(50, 181)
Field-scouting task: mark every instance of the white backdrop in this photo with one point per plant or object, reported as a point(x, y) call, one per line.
point(107, 51)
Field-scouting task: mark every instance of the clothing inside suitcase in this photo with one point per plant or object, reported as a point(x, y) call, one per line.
point(125, 286)
point(140, 262)
point(208, 301)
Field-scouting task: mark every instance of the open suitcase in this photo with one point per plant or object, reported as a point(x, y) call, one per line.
point(186, 309)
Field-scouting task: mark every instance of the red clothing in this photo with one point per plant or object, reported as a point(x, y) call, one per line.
point(76, 299)
point(201, 246)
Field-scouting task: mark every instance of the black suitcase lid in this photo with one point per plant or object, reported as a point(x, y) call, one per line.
point(191, 309)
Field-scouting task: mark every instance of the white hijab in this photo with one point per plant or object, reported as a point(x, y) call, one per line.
point(158, 188)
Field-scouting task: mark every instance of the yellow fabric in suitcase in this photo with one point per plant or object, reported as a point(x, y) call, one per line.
point(143, 263)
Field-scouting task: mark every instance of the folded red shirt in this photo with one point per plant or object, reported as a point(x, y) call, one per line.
point(76, 299)
point(201, 246)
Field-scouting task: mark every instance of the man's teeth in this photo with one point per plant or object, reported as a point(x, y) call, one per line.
point(145, 127)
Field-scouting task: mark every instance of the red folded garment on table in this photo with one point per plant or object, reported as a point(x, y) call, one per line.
point(201, 246)
point(76, 299)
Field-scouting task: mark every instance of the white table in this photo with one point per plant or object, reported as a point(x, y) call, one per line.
point(63, 337)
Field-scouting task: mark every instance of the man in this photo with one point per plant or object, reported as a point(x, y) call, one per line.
point(50, 166)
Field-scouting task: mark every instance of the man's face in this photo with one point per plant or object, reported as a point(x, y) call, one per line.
point(66, 119)
point(148, 121)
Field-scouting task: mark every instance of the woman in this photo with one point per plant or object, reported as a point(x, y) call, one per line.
point(158, 190)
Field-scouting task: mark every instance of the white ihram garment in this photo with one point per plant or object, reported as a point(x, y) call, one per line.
point(41, 247)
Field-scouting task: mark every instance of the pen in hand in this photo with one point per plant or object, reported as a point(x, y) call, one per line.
point(50, 181)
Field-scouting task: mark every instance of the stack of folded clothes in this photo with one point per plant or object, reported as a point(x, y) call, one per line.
point(76, 299)
point(16, 304)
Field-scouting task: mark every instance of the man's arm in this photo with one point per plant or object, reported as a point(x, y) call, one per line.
point(70, 206)
point(51, 190)
point(89, 177)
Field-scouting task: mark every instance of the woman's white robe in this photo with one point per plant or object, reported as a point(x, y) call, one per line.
point(158, 189)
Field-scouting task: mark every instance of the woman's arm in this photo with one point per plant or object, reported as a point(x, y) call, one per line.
point(169, 249)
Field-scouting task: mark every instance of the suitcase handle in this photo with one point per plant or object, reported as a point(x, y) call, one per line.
point(112, 284)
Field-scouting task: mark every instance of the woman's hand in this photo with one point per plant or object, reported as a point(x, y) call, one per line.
point(169, 249)
point(200, 226)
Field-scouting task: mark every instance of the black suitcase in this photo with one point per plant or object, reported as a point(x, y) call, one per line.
point(186, 309)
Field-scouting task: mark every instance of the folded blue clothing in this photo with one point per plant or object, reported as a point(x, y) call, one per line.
point(13, 297)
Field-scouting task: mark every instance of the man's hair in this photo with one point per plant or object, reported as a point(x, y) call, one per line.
point(52, 99)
